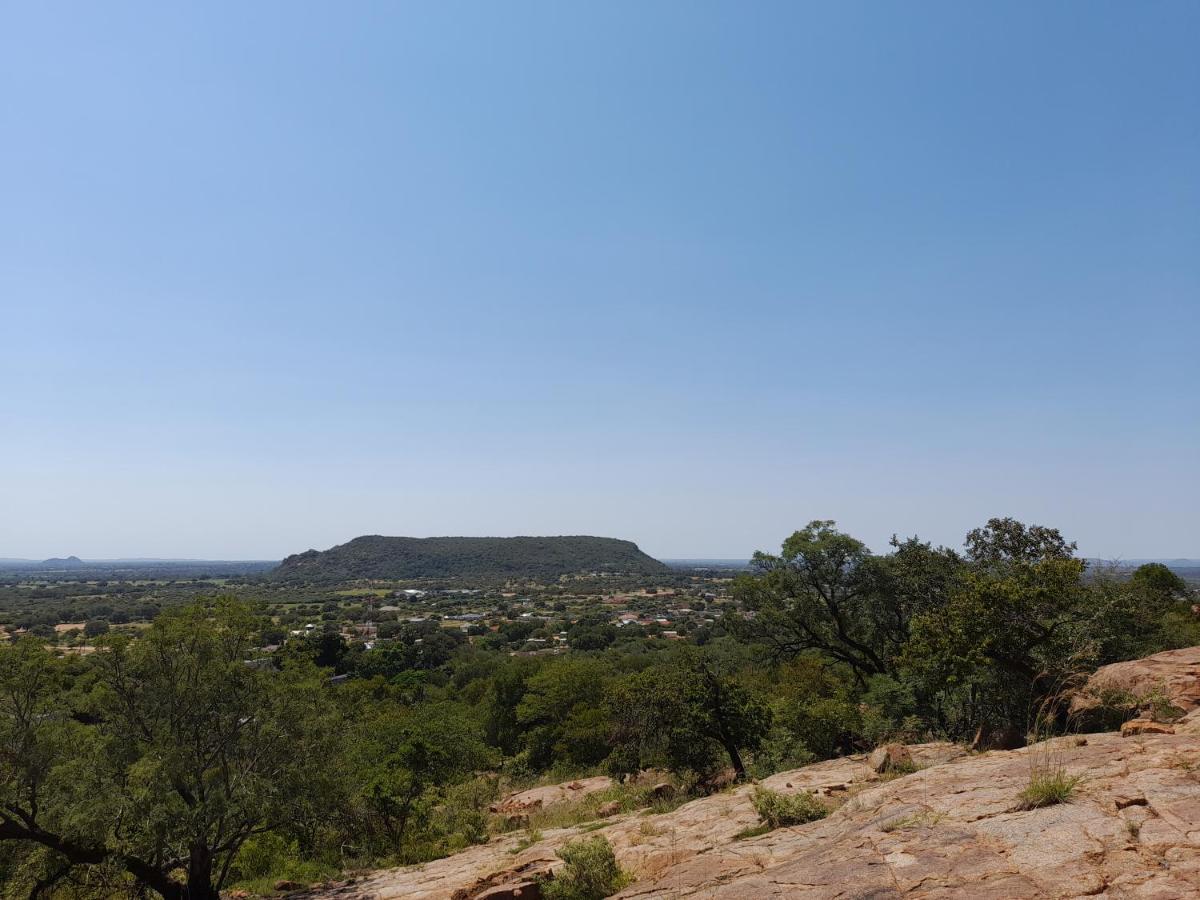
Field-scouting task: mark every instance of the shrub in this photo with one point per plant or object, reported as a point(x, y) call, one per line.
point(591, 872)
point(1048, 787)
point(781, 811)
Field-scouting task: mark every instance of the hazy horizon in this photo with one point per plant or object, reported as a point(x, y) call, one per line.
point(6, 558)
point(275, 275)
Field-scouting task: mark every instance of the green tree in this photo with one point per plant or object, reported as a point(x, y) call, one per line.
point(1005, 541)
point(1158, 584)
point(560, 713)
point(95, 628)
point(1014, 626)
point(819, 593)
point(178, 755)
point(403, 759)
point(690, 714)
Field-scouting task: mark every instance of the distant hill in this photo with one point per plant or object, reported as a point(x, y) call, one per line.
point(69, 562)
point(375, 556)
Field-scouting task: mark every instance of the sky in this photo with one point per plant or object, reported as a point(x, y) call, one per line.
point(276, 274)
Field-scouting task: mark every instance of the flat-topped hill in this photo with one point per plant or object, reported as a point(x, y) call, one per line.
point(376, 556)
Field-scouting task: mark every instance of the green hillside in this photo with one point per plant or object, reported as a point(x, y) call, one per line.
point(376, 556)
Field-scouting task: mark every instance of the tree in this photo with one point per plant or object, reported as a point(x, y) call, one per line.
point(688, 713)
point(1014, 625)
point(403, 758)
point(95, 628)
point(817, 594)
point(560, 714)
point(178, 755)
point(593, 632)
point(1007, 541)
point(1158, 584)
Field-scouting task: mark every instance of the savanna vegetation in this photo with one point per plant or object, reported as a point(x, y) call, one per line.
point(224, 742)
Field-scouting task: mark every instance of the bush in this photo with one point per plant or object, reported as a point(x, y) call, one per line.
point(1048, 787)
point(265, 858)
point(781, 811)
point(591, 872)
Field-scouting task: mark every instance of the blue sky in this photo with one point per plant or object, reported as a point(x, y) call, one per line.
point(273, 275)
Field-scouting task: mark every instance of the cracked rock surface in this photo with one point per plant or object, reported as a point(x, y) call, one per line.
point(1132, 829)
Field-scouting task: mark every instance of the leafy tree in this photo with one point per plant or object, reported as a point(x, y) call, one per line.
point(1158, 584)
point(817, 594)
point(560, 712)
point(95, 628)
point(508, 687)
point(1015, 624)
point(1006, 541)
point(591, 633)
point(404, 758)
point(689, 713)
point(177, 756)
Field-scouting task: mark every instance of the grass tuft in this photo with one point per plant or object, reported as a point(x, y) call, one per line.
point(781, 810)
point(1048, 787)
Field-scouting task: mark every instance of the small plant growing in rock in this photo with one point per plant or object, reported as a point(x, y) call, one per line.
point(591, 872)
point(781, 811)
point(531, 837)
point(1048, 787)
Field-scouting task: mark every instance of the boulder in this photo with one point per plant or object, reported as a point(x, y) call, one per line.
point(550, 795)
point(608, 809)
point(1145, 726)
point(664, 790)
point(889, 758)
point(990, 737)
point(522, 882)
point(1166, 684)
point(513, 890)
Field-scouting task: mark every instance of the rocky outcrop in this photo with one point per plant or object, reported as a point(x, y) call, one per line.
point(951, 829)
point(550, 795)
point(926, 821)
point(645, 844)
point(954, 830)
point(1165, 683)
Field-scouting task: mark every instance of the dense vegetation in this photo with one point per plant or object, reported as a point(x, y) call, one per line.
point(214, 746)
point(375, 556)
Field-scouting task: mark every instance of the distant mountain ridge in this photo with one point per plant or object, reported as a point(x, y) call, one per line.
point(377, 556)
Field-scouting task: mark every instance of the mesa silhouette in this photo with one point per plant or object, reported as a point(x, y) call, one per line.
point(379, 557)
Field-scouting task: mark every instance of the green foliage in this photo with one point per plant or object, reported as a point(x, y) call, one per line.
point(1048, 787)
point(1008, 633)
point(890, 710)
point(785, 810)
point(814, 596)
point(688, 715)
point(401, 762)
point(561, 714)
point(95, 628)
point(165, 741)
point(168, 757)
point(375, 556)
point(1155, 581)
point(266, 858)
point(590, 872)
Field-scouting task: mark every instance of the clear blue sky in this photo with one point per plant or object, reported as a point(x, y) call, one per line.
point(273, 275)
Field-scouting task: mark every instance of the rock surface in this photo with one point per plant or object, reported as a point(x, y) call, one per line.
point(1173, 675)
point(551, 795)
point(949, 830)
